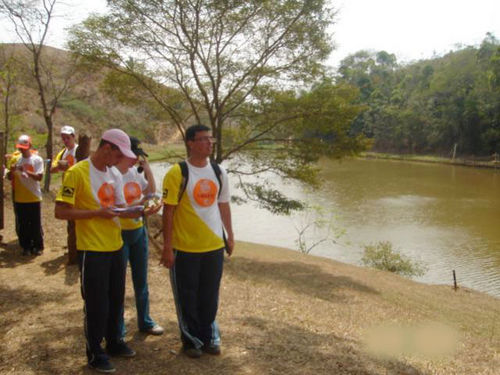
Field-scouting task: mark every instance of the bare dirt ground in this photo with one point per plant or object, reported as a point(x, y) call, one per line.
point(281, 312)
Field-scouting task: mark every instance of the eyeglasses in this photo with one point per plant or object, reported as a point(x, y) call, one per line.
point(205, 139)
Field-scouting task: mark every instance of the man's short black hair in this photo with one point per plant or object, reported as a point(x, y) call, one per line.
point(193, 129)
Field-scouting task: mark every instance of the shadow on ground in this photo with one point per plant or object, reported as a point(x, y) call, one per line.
point(282, 348)
point(11, 255)
point(302, 278)
point(56, 265)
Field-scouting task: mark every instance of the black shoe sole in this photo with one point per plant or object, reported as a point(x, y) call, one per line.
point(104, 371)
point(192, 353)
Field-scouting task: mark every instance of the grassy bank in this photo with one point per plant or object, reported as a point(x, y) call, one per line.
point(170, 152)
point(468, 162)
point(281, 312)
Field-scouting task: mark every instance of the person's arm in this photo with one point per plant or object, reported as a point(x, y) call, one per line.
point(34, 176)
point(148, 174)
point(167, 257)
point(225, 213)
point(54, 167)
point(65, 211)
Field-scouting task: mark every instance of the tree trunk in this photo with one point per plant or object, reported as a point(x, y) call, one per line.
point(49, 150)
point(2, 162)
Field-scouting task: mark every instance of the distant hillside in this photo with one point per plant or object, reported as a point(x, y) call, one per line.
point(86, 105)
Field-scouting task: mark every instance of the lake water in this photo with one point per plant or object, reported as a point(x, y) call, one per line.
point(446, 217)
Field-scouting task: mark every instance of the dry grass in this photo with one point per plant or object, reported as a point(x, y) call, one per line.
point(281, 312)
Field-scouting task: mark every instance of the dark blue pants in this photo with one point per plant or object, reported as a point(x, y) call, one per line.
point(195, 280)
point(29, 225)
point(102, 277)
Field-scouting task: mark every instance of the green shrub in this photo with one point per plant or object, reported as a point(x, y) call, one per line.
point(382, 256)
point(82, 110)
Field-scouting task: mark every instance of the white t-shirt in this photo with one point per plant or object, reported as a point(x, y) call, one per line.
point(134, 184)
point(26, 189)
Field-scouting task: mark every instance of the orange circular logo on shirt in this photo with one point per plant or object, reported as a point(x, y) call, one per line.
point(132, 192)
point(106, 195)
point(70, 159)
point(205, 192)
point(28, 168)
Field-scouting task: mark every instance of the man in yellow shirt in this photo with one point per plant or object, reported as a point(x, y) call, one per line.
point(91, 194)
point(64, 160)
point(193, 234)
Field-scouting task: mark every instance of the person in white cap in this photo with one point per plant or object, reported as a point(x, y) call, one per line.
point(91, 194)
point(65, 158)
point(27, 172)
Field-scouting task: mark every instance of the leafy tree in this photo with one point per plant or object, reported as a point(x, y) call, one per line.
point(238, 66)
point(53, 76)
point(429, 105)
point(8, 88)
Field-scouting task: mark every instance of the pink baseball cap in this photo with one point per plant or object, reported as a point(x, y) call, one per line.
point(121, 140)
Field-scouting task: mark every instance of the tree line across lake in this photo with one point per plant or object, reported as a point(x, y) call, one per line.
point(429, 106)
point(256, 77)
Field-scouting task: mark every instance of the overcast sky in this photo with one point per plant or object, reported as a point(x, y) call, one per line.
point(412, 29)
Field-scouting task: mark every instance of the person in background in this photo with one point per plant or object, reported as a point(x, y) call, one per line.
point(91, 194)
point(64, 160)
point(26, 172)
point(136, 187)
point(193, 248)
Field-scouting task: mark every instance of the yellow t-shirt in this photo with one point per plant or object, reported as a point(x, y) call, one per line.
point(86, 187)
point(65, 154)
point(197, 224)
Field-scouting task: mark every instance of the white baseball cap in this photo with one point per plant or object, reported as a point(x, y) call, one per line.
point(66, 129)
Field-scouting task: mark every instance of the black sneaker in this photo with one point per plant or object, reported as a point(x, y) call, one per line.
point(102, 364)
point(191, 351)
point(36, 251)
point(26, 252)
point(211, 349)
point(120, 349)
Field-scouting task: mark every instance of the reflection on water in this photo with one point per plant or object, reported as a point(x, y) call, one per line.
point(444, 216)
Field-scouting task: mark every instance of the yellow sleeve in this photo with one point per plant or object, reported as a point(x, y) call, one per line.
point(12, 159)
point(68, 188)
point(57, 158)
point(171, 185)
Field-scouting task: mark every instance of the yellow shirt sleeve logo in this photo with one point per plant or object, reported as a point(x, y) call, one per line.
point(68, 192)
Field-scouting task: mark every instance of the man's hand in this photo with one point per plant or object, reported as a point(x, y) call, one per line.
point(106, 213)
point(152, 210)
point(167, 258)
point(62, 165)
point(229, 245)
